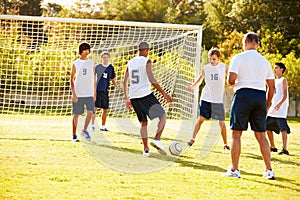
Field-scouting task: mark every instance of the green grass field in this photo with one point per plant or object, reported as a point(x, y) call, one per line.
point(38, 161)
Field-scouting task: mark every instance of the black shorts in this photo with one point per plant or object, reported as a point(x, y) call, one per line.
point(277, 125)
point(102, 100)
point(147, 106)
point(212, 110)
point(248, 105)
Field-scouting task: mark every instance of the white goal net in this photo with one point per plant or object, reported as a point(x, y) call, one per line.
point(36, 54)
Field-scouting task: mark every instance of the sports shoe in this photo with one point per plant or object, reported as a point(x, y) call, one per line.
point(75, 139)
point(93, 128)
point(146, 153)
point(273, 149)
point(103, 129)
point(226, 147)
point(86, 135)
point(283, 151)
point(191, 142)
point(233, 174)
point(269, 174)
point(158, 145)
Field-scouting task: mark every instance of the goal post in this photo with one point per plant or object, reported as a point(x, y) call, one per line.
point(36, 55)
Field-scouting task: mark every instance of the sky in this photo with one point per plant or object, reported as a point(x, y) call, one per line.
point(68, 3)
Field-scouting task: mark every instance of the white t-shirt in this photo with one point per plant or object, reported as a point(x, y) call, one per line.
point(84, 81)
point(213, 90)
point(278, 94)
point(252, 70)
point(140, 85)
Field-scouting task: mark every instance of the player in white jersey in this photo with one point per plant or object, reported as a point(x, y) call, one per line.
point(83, 86)
point(250, 73)
point(276, 117)
point(142, 100)
point(211, 100)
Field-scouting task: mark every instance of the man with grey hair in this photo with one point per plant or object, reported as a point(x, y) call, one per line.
point(250, 73)
point(141, 98)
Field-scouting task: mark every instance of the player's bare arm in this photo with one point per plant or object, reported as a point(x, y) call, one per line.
point(270, 91)
point(115, 84)
point(285, 91)
point(198, 82)
point(125, 88)
point(95, 86)
point(231, 78)
point(73, 72)
point(154, 82)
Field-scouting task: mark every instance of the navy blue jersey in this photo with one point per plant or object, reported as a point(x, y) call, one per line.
point(104, 75)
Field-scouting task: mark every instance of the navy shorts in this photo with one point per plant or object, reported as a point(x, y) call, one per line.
point(248, 105)
point(277, 125)
point(212, 110)
point(78, 107)
point(102, 100)
point(147, 106)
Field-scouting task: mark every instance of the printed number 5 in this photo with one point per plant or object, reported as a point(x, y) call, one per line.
point(135, 79)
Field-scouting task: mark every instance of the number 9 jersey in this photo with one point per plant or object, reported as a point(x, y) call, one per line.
point(84, 81)
point(140, 85)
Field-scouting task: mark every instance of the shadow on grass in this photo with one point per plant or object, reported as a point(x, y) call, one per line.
point(259, 157)
point(36, 139)
point(178, 160)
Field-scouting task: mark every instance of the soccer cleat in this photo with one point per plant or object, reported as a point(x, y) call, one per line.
point(190, 143)
point(103, 129)
point(93, 128)
point(233, 174)
point(283, 151)
point(269, 174)
point(146, 153)
point(273, 149)
point(226, 147)
point(86, 135)
point(158, 145)
point(75, 139)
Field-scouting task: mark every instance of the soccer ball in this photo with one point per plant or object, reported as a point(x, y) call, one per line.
point(175, 148)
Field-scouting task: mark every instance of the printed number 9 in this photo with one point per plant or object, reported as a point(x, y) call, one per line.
point(135, 79)
point(84, 71)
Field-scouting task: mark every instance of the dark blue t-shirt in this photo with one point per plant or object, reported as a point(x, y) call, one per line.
point(104, 75)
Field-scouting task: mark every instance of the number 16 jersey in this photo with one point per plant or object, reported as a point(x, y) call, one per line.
point(140, 85)
point(213, 90)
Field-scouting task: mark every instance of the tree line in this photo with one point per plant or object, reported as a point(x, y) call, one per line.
point(224, 22)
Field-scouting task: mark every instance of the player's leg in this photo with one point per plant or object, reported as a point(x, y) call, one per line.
point(144, 135)
point(235, 149)
point(90, 106)
point(224, 133)
point(93, 118)
point(104, 106)
point(104, 117)
point(271, 139)
point(74, 123)
point(197, 127)
point(284, 129)
point(264, 148)
point(78, 109)
point(160, 126)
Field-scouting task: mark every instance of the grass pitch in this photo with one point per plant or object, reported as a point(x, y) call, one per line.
point(38, 161)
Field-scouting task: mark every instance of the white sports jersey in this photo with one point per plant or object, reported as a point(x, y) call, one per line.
point(278, 94)
point(84, 81)
point(140, 85)
point(252, 70)
point(213, 90)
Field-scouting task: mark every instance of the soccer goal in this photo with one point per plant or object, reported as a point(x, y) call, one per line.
point(36, 54)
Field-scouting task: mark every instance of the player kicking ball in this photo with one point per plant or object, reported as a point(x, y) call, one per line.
point(142, 100)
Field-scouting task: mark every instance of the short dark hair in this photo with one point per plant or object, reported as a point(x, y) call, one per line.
point(104, 53)
point(281, 66)
point(84, 46)
point(214, 51)
point(251, 37)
